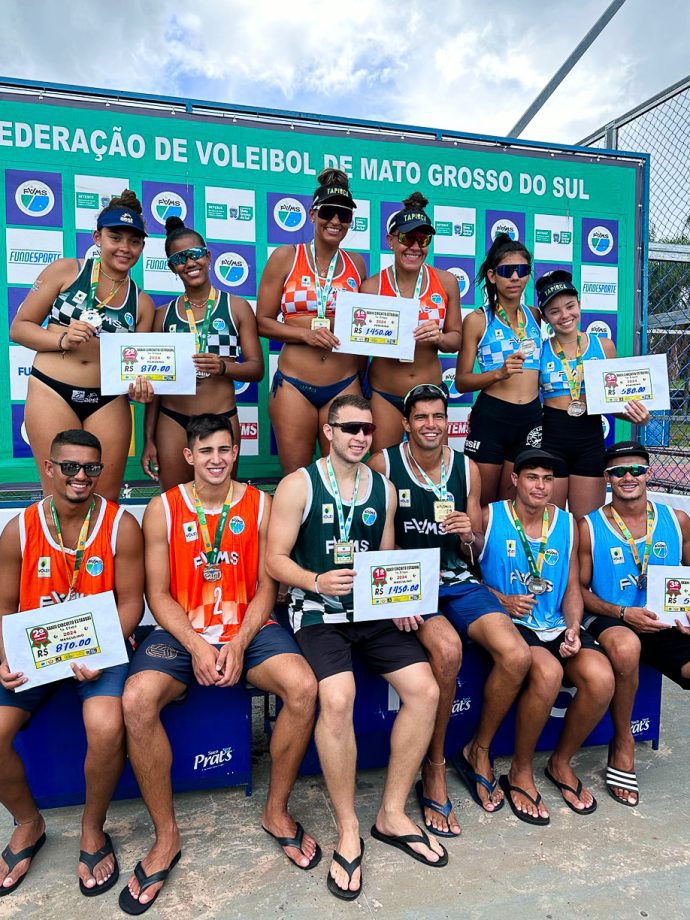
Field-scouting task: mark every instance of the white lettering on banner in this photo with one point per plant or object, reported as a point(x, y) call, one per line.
point(212, 759)
point(463, 705)
point(637, 726)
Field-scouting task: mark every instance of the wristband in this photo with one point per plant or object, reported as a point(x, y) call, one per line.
point(60, 341)
point(621, 613)
point(223, 369)
point(316, 583)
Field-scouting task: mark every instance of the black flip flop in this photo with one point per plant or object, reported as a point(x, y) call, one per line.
point(443, 810)
point(132, 905)
point(508, 789)
point(12, 859)
point(564, 787)
point(91, 860)
point(296, 842)
point(466, 773)
point(346, 894)
point(403, 841)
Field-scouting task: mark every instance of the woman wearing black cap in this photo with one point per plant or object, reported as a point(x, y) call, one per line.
point(568, 431)
point(504, 338)
point(300, 283)
point(79, 299)
point(223, 326)
point(410, 231)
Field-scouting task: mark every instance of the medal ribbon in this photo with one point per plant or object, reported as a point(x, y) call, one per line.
point(211, 553)
point(440, 490)
point(200, 336)
point(534, 567)
point(574, 379)
point(343, 525)
point(91, 303)
point(521, 331)
point(323, 293)
point(417, 284)
point(642, 564)
point(81, 543)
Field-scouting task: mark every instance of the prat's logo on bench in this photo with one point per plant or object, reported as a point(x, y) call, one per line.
point(638, 726)
point(461, 705)
point(212, 759)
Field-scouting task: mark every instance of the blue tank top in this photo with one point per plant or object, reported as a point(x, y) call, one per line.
point(499, 341)
point(552, 379)
point(504, 565)
point(614, 571)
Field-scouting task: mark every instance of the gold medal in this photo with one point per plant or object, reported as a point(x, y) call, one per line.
point(442, 508)
point(320, 322)
point(344, 552)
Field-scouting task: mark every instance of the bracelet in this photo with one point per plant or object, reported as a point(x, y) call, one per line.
point(621, 613)
point(60, 341)
point(224, 368)
point(316, 583)
point(469, 542)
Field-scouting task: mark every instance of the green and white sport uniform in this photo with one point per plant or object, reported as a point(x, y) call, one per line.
point(222, 335)
point(70, 304)
point(318, 535)
point(462, 599)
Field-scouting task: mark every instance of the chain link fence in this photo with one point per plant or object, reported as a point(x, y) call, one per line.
point(661, 127)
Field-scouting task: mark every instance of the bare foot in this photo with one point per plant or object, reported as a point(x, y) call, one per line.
point(24, 835)
point(435, 787)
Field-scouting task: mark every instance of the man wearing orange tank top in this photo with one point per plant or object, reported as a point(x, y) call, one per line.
point(39, 568)
point(208, 589)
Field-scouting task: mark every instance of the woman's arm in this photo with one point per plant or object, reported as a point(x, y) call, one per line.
point(466, 381)
point(26, 328)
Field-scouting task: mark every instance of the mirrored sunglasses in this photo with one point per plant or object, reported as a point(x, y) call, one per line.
point(195, 253)
point(409, 239)
point(71, 468)
point(508, 270)
point(636, 469)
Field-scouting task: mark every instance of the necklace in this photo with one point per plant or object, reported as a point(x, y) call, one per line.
point(117, 281)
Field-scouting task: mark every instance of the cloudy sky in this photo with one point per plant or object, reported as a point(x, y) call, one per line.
point(440, 63)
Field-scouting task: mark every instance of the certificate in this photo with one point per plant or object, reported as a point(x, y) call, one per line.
point(396, 583)
point(44, 643)
point(380, 327)
point(610, 384)
point(668, 592)
point(164, 358)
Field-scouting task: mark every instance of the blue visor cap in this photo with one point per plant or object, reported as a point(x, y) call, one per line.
point(122, 217)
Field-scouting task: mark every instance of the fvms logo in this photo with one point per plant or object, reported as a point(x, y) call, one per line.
point(34, 198)
point(289, 214)
point(503, 225)
point(231, 268)
point(168, 204)
point(463, 279)
point(600, 241)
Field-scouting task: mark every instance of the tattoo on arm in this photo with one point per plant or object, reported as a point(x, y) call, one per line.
point(36, 285)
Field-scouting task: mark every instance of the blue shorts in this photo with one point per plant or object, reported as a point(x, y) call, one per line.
point(110, 683)
point(465, 603)
point(161, 651)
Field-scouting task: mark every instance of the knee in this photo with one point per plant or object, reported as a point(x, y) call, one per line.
point(600, 682)
point(336, 707)
point(301, 692)
point(105, 735)
point(624, 653)
point(546, 678)
point(140, 705)
point(423, 695)
point(515, 658)
point(445, 657)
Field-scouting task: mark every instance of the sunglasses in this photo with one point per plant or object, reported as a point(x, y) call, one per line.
point(367, 428)
point(71, 468)
point(409, 239)
point(426, 389)
point(637, 469)
point(507, 271)
point(195, 253)
point(329, 211)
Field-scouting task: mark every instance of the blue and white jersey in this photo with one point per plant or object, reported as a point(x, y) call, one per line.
point(614, 571)
point(505, 568)
point(499, 341)
point(552, 379)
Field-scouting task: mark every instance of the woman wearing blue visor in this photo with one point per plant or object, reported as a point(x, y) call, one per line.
point(77, 300)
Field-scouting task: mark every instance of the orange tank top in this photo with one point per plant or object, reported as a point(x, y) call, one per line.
point(433, 301)
point(45, 578)
point(299, 293)
point(215, 609)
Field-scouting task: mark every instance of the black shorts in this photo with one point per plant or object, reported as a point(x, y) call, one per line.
point(579, 441)
point(499, 430)
point(384, 648)
point(667, 650)
point(553, 645)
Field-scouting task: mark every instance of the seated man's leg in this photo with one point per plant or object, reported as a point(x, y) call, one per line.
point(590, 672)
point(512, 660)
point(274, 663)
point(419, 695)
point(15, 794)
point(153, 683)
point(444, 648)
point(534, 707)
point(622, 647)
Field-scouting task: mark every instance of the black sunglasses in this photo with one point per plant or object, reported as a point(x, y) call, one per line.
point(71, 468)
point(508, 270)
point(329, 211)
point(367, 428)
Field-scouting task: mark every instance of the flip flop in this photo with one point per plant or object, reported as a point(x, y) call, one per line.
point(296, 842)
point(91, 860)
point(12, 859)
point(564, 787)
point(403, 841)
point(346, 894)
point(621, 779)
point(132, 905)
point(443, 810)
point(508, 788)
point(470, 779)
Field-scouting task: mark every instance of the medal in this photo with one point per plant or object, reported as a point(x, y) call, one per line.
point(415, 296)
point(641, 582)
point(577, 407)
point(528, 347)
point(442, 508)
point(642, 564)
point(536, 585)
point(322, 292)
point(72, 593)
point(201, 335)
point(201, 375)
point(444, 504)
point(344, 550)
point(94, 314)
point(320, 322)
point(93, 317)
point(211, 571)
point(525, 345)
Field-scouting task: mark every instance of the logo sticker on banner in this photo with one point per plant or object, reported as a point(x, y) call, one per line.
point(510, 222)
point(91, 195)
point(458, 426)
point(601, 327)
point(287, 218)
point(456, 231)
point(164, 200)
point(249, 429)
point(599, 288)
point(29, 252)
point(234, 268)
point(553, 237)
point(464, 271)
point(599, 240)
point(230, 214)
point(33, 198)
point(86, 248)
